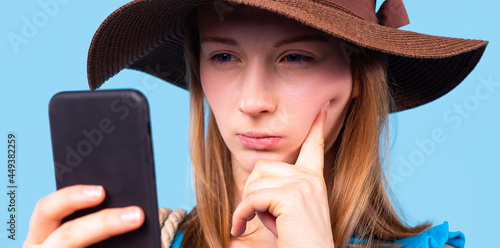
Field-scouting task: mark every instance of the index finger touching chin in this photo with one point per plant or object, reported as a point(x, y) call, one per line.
point(312, 151)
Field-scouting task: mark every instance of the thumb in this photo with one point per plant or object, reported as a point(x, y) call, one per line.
point(269, 222)
point(312, 152)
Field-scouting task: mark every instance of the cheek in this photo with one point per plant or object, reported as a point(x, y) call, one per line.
point(333, 125)
point(213, 88)
point(207, 79)
point(312, 100)
point(220, 98)
point(339, 93)
point(336, 115)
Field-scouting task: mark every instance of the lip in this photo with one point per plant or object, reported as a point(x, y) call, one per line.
point(258, 141)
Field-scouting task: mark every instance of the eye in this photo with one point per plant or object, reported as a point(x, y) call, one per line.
point(297, 58)
point(223, 58)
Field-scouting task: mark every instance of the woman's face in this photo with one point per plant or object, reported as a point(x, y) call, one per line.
point(266, 78)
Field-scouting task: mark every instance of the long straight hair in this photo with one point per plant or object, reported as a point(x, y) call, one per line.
point(359, 205)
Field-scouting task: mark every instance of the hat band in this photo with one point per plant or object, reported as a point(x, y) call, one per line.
point(392, 13)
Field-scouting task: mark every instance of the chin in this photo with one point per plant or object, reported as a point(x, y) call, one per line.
point(248, 159)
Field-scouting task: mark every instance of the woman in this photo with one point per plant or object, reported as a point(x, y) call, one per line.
point(291, 155)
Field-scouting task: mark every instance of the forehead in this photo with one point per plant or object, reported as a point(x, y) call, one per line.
point(241, 17)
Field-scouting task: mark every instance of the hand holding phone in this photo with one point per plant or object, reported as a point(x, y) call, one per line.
point(47, 230)
point(103, 138)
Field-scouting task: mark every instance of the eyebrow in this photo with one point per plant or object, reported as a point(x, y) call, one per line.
point(232, 42)
point(225, 41)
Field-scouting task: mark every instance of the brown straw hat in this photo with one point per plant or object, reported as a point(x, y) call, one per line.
point(148, 35)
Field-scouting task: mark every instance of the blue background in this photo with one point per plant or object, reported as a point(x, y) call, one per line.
point(456, 179)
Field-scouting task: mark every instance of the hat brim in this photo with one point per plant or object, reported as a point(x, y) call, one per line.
point(148, 35)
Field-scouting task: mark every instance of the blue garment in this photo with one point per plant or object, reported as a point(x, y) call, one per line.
point(176, 243)
point(435, 237)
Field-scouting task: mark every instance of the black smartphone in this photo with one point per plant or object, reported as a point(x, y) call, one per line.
point(104, 138)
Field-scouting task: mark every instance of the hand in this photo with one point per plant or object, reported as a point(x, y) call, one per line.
point(290, 200)
point(45, 225)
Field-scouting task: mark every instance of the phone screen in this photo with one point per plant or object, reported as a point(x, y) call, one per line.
point(104, 138)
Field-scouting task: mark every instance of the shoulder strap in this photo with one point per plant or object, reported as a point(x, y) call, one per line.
point(169, 223)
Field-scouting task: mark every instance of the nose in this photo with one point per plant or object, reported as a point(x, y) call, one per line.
point(256, 95)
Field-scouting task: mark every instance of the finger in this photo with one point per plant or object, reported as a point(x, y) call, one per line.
point(268, 183)
point(258, 201)
point(312, 151)
point(51, 209)
point(269, 222)
point(95, 227)
point(242, 185)
point(268, 168)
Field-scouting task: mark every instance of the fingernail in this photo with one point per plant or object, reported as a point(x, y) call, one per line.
point(130, 215)
point(92, 191)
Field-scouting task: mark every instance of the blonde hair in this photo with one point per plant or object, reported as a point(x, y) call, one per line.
point(359, 205)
